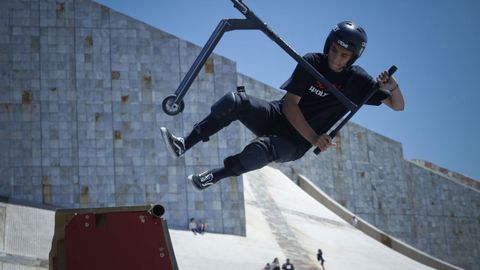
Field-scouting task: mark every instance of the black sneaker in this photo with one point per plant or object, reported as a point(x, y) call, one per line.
point(175, 145)
point(202, 180)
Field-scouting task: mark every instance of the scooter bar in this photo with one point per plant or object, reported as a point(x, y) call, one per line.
point(238, 4)
point(173, 104)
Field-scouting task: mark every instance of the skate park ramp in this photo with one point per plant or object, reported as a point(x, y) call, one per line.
point(282, 221)
point(285, 222)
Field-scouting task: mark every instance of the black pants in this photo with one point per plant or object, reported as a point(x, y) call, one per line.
point(276, 139)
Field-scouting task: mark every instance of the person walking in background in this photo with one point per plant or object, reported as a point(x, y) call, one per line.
point(320, 258)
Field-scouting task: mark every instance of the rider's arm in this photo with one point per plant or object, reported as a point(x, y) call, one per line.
point(395, 101)
point(388, 83)
point(294, 115)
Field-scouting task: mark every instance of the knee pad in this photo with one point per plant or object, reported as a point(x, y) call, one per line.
point(254, 156)
point(232, 163)
point(225, 106)
point(229, 106)
point(257, 154)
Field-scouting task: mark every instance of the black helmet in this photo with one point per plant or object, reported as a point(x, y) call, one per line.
point(350, 36)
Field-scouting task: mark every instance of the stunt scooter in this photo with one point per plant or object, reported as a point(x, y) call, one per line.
point(173, 104)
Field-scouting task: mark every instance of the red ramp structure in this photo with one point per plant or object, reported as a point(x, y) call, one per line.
point(112, 238)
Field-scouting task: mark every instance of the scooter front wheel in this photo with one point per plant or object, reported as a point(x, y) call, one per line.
point(169, 106)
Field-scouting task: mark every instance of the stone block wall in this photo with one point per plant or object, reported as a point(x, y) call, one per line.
point(80, 110)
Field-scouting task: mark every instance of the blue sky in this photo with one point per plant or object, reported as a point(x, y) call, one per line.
point(435, 45)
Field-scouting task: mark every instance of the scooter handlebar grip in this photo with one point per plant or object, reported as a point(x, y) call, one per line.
point(392, 70)
point(238, 4)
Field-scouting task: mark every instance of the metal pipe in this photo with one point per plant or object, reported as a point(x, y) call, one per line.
point(156, 210)
point(200, 60)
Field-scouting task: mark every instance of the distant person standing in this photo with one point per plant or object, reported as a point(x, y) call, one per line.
point(288, 265)
point(355, 221)
point(275, 264)
point(320, 258)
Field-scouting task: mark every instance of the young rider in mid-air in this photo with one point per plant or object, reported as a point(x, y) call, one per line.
point(287, 128)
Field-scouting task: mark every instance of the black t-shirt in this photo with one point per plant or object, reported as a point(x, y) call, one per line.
point(321, 108)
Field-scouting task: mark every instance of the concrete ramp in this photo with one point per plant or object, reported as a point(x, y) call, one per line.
point(284, 222)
